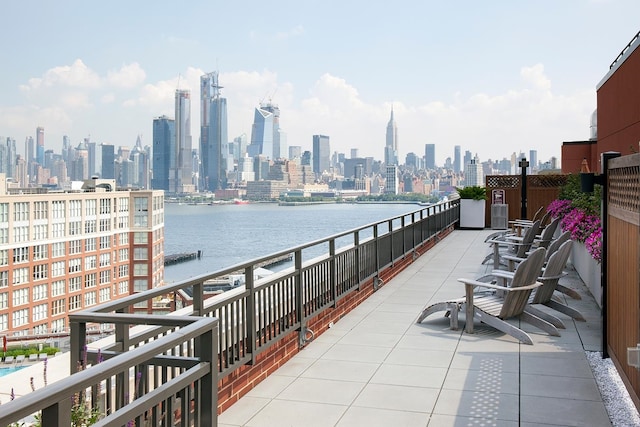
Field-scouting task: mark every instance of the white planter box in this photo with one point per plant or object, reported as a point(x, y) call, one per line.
point(588, 269)
point(472, 213)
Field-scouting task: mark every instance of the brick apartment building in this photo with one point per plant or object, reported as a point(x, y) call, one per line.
point(62, 251)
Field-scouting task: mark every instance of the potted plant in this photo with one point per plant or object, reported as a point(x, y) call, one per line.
point(473, 200)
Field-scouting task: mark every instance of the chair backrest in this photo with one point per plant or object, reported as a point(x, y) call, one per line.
point(526, 274)
point(536, 216)
point(529, 236)
point(552, 272)
point(545, 218)
point(555, 245)
point(547, 233)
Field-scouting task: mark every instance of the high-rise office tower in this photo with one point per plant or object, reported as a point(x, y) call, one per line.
point(295, 151)
point(466, 160)
point(456, 159)
point(67, 149)
point(180, 180)
point(267, 138)
point(29, 147)
point(214, 142)
point(412, 161)
point(239, 147)
point(474, 175)
point(354, 153)
point(40, 145)
point(139, 158)
point(93, 165)
point(164, 136)
point(430, 156)
point(261, 134)
point(391, 147)
point(108, 156)
point(391, 183)
point(321, 154)
point(533, 159)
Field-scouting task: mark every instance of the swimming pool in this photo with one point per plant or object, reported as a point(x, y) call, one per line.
point(6, 370)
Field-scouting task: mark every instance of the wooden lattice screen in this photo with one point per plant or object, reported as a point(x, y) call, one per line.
point(623, 267)
point(541, 190)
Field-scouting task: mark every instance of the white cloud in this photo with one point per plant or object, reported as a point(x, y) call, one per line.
point(75, 75)
point(535, 75)
point(127, 77)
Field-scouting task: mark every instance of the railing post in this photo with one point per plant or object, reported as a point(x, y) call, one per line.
point(207, 415)
point(376, 239)
point(297, 260)
point(198, 299)
point(333, 274)
point(78, 339)
point(250, 345)
point(356, 245)
point(122, 379)
point(391, 245)
point(57, 415)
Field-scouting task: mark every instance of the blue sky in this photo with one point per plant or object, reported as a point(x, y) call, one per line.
point(491, 76)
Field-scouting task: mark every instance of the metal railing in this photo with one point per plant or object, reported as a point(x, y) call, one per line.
point(250, 318)
point(166, 375)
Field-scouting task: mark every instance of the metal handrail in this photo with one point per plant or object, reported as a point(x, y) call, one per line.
point(55, 396)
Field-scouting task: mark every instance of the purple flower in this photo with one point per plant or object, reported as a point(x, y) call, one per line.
point(559, 208)
point(584, 228)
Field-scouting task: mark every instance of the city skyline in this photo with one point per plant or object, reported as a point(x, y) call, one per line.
point(485, 79)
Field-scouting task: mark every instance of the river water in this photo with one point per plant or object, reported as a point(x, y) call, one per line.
point(231, 234)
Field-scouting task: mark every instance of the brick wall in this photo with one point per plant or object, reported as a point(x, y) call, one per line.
point(240, 382)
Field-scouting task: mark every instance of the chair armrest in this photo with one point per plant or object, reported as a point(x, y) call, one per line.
point(557, 276)
point(513, 258)
point(503, 274)
point(474, 283)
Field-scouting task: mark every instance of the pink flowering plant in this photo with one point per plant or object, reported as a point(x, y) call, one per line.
point(578, 215)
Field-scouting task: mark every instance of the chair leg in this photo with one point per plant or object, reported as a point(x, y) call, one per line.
point(540, 324)
point(545, 316)
point(434, 308)
point(505, 327)
point(571, 312)
point(568, 291)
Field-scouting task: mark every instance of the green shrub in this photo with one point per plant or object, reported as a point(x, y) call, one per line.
point(473, 192)
point(587, 202)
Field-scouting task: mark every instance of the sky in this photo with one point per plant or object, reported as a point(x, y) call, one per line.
point(494, 76)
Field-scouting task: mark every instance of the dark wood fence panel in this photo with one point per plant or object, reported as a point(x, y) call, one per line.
point(623, 267)
point(541, 190)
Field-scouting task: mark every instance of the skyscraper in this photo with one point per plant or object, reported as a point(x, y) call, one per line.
point(164, 136)
point(391, 147)
point(466, 160)
point(533, 159)
point(214, 142)
point(108, 161)
point(430, 156)
point(267, 138)
point(180, 179)
point(456, 159)
point(321, 154)
point(40, 145)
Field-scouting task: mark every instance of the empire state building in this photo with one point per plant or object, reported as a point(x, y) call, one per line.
point(391, 147)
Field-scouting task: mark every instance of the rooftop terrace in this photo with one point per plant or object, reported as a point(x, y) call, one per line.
point(377, 367)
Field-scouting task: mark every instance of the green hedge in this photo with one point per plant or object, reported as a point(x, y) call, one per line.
point(31, 350)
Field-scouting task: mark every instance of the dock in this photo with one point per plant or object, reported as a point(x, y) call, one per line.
point(183, 257)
